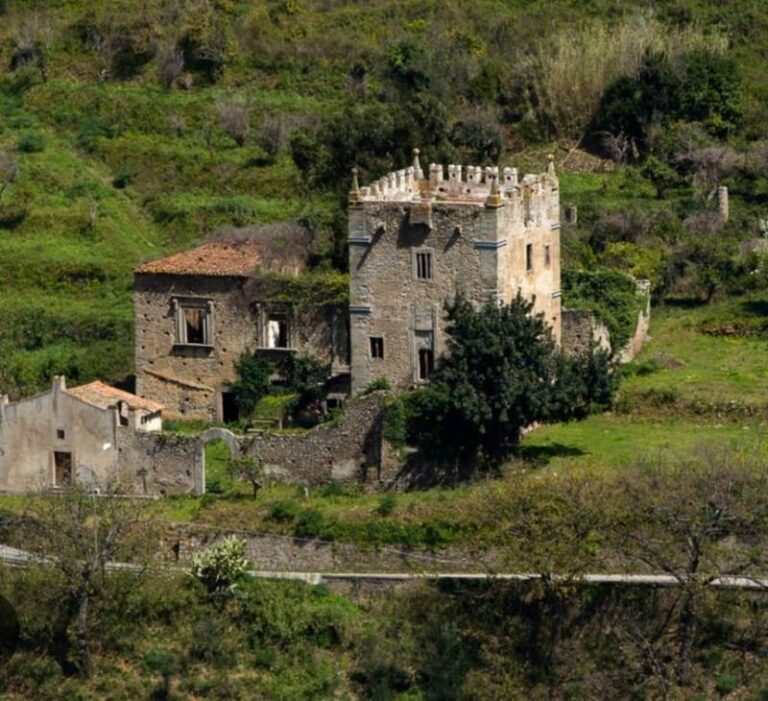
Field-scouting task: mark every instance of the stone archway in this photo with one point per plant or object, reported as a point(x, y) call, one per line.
point(212, 434)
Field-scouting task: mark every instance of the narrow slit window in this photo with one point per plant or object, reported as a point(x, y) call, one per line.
point(547, 256)
point(424, 265)
point(425, 354)
point(377, 347)
point(426, 363)
point(529, 257)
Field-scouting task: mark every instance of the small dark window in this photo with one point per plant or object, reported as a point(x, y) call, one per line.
point(424, 265)
point(60, 434)
point(529, 257)
point(547, 256)
point(426, 363)
point(277, 331)
point(230, 411)
point(63, 469)
point(377, 347)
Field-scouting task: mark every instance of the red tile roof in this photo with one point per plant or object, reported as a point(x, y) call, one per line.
point(220, 258)
point(103, 396)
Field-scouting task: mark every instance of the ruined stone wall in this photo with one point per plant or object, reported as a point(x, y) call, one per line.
point(347, 451)
point(581, 329)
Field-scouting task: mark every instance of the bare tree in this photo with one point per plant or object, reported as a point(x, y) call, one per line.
point(235, 120)
point(170, 64)
point(710, 166)
point(696, 520)
point(80, 533)
point(9, 171)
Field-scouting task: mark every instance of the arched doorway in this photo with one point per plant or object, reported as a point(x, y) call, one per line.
point(212, 434)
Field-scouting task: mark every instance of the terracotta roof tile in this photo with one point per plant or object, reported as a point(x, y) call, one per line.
point(101, 395)
point(221, 258)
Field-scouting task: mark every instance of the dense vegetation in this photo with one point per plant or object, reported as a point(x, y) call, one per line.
point(125, 134)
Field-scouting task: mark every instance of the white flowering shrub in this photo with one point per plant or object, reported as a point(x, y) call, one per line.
point(219, 565)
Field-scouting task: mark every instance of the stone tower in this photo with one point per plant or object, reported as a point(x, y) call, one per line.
point(417, 240)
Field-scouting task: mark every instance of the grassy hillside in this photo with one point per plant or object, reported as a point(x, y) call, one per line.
point(135, 132)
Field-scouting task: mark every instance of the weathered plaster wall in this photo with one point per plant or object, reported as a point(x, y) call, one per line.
point(28, 439)
point(157, 463)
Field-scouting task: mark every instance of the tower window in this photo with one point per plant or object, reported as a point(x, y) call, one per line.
point(426, 363)
point(423, 265)
point(529, 257)
point(377, 347)
point(425, 354)
point(547, 256)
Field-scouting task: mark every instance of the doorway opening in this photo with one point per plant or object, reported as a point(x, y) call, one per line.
point(230, 412)
point(62, 469)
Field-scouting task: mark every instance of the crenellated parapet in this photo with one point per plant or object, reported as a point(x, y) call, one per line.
point(535, 198)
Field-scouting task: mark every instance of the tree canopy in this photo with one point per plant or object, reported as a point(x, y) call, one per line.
point(503, 372)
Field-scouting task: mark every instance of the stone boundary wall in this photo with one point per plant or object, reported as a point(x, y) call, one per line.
point(346, 451)
point(276, 553)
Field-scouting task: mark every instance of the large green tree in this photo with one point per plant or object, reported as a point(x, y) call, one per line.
point(503, 372)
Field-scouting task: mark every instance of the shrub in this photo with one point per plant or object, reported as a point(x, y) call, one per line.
point(221, 564)
point(311, 524)
point(284, 511)
point(253, 382)
point(387, 504)
point(32, 142)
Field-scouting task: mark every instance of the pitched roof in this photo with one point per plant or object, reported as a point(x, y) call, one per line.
point(219, 258)
point(103, 396)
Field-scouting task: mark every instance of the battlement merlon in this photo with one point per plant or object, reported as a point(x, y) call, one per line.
point(457, 184)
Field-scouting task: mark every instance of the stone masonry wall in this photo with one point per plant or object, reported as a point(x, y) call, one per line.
point(479, 244)
point(348, 451)
point(189, 380)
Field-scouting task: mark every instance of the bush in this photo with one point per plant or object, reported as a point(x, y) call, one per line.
point(284, 511)
point(221, 564)
point(311, 524)
point(387, 504)
point(32, 142)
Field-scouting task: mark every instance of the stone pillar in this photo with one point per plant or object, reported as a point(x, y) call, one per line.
point(722, 203)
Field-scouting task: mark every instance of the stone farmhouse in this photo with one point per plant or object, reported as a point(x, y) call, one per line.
point(65, 434)
point(198, 311)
